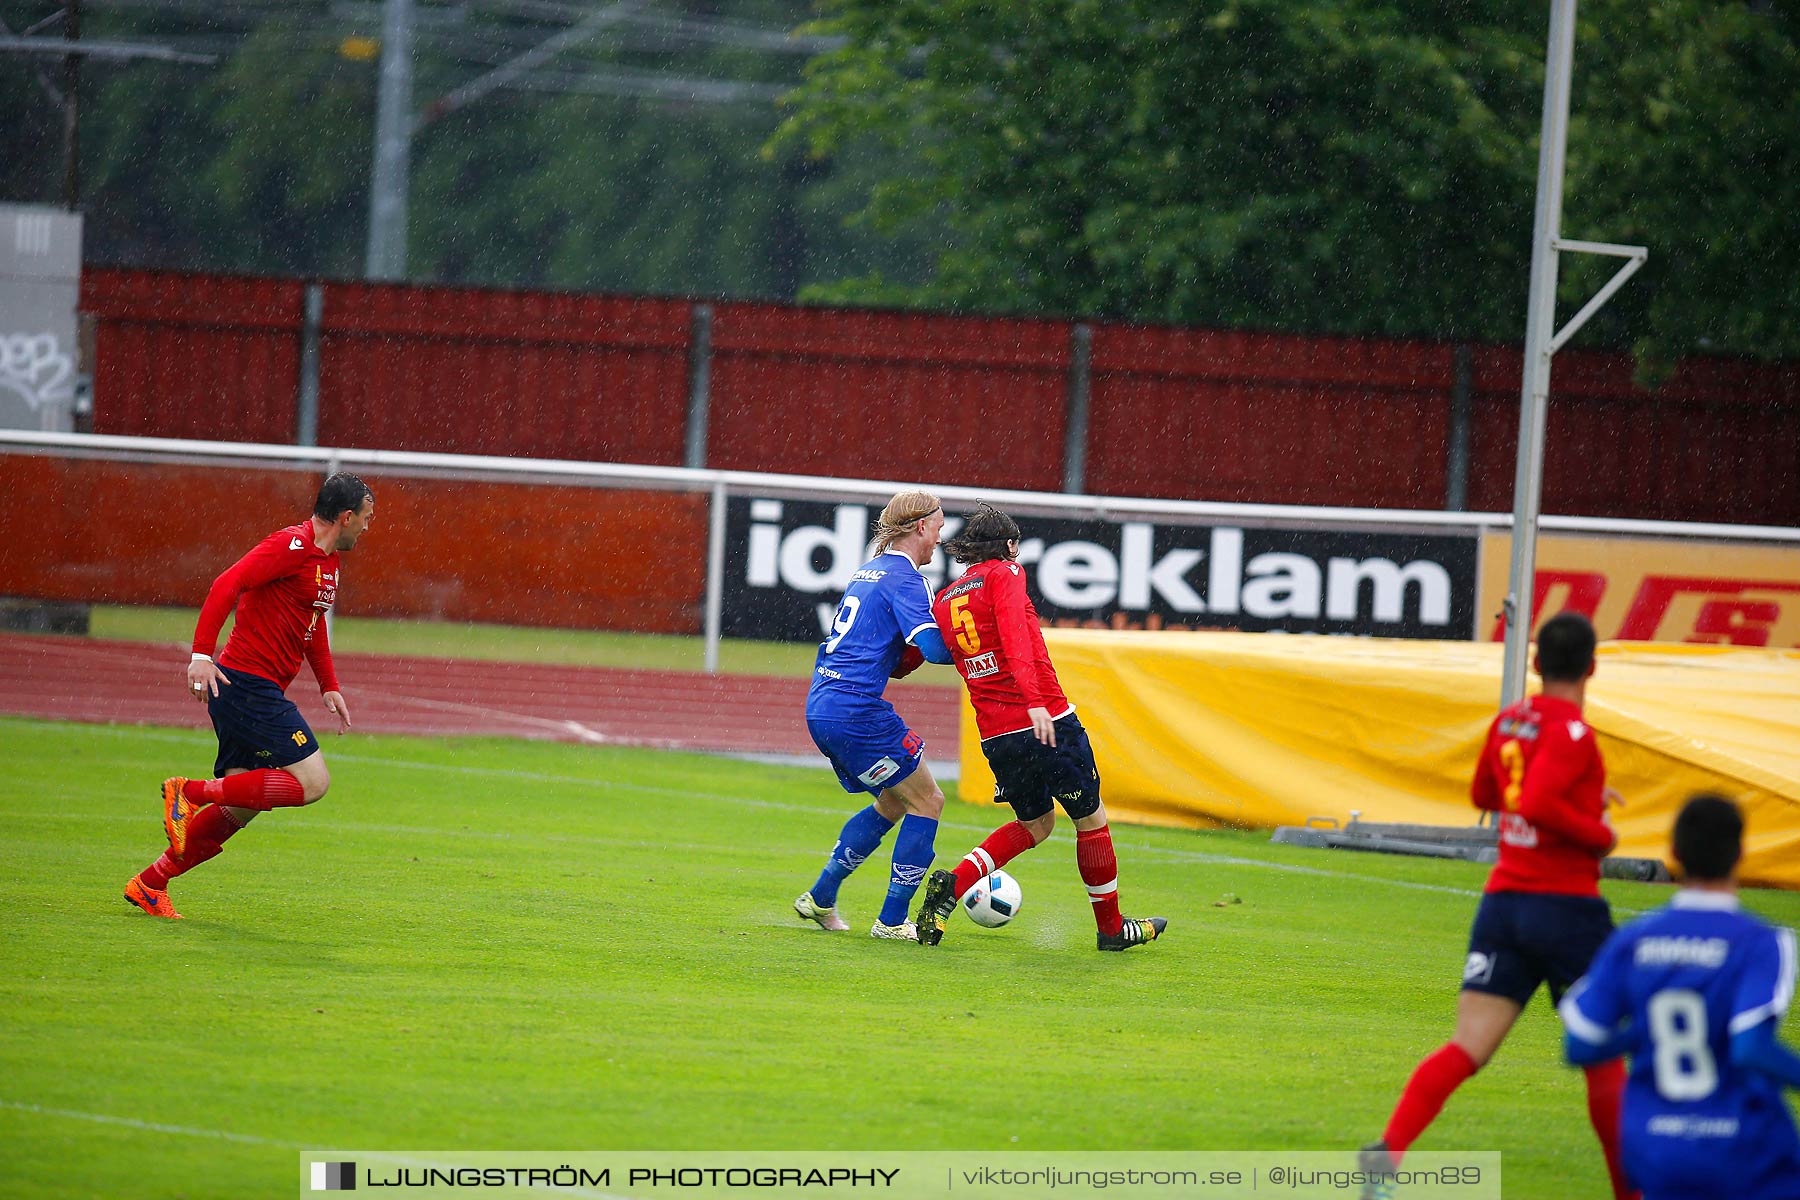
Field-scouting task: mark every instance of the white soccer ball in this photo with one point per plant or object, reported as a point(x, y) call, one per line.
point(993, 901)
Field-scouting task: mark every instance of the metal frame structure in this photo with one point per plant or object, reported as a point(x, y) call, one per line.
point(1542, 339)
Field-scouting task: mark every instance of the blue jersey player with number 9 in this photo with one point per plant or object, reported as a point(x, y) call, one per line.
point(882, 629)
point(1695, 993)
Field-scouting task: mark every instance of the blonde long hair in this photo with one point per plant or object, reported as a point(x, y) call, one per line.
point(902, 513)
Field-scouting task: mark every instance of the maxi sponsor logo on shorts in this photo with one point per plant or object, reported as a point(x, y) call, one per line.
point(788, 561)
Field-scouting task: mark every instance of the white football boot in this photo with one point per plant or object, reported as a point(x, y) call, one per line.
point(826, 917)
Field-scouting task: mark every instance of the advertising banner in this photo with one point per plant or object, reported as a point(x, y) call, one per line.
point(1656, 589)
point(1252, 732)
point(788, 561)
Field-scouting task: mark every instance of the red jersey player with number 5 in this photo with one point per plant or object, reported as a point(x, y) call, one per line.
point(268, 756)
point(1541, 918)
point(1030, 734)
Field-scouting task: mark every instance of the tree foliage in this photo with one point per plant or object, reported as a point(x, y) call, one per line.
point(262, 164)
point(1307, 165)
point(1322, 165)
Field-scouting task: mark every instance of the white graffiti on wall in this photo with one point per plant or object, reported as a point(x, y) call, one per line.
point(35, 367)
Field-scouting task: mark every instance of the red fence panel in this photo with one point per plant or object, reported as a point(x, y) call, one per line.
point(472, 371)
point(954, 400)
point(1268, 419)
point(965, 400)
point(194, 356)
point(442, 549)
point(1719, 441)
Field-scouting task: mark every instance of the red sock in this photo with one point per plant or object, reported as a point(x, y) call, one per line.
point(1099, 868)
point(1441, 1073)
point(1605, 1093)
point(1001, 847)
point(261, 790)
point(156, 875)
point(208, 831)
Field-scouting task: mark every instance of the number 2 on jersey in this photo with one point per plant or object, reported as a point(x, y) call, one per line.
point(967, 636)
point(1512, 757)
point(840, 624)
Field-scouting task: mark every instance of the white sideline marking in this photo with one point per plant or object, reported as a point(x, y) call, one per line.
point(1231, 860)
point(150, 1126)
point(249, 1140)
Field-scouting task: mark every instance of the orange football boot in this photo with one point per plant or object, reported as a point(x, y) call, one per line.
point(177, 808)
point(156, 903)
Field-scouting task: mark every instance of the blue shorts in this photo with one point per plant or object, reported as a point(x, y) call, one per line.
point(1521, 940)
point(258, 726)
point(869, 753)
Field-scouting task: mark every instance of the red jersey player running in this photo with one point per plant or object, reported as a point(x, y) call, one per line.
point(1542, 919)
point(268, 756)
point(1029, 733)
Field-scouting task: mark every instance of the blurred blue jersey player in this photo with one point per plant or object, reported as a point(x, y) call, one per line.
point(1695, 993)
point(883, 628)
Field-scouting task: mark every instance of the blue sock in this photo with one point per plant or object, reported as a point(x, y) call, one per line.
point(912, 858)
point(862, 833)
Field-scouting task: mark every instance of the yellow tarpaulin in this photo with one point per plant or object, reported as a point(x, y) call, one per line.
point(1201, 729)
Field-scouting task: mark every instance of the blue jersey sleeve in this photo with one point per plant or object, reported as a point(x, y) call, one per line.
point(1596, 1006)
point(912, 609)
point(931, 644)
point(1767, 984)
point(1758, 1049)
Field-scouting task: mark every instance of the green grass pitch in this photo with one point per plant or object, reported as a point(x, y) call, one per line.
point(496, 945)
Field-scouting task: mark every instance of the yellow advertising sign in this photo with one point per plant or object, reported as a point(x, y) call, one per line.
point(1655, 589)
point(1254, 730)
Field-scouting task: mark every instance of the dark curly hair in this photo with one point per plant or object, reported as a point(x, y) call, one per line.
point(983, 536)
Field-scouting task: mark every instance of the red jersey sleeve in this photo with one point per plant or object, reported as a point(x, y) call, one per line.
point(1018, 631)
point(1560, 760)
point(1484, 788)
point(318, 653)
point(269, 559)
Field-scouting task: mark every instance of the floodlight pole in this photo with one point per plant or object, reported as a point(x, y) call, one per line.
point(71, 90)
point(1542, 340)
point(393, 145)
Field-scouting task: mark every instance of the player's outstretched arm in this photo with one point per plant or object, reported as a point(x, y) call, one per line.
point(911, 659)
point(930, 643)
point(267, 560)
point(334, 704)
point(1758, 1049)
point(1548, 779)
point(204, 677)
point(1583, 1053)
point(1484, 789)
point(1593, 1011)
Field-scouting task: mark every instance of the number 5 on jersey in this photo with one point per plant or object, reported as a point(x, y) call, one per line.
point(967, 636)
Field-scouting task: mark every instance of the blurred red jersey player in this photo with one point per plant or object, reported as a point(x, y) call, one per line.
point(1541, 919)
point(1029, 733)
point(268, 756)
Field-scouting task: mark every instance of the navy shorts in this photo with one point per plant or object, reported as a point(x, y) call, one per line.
point(870, 753)
point(258, 726)
point(1523, 939)
point(1031, 776)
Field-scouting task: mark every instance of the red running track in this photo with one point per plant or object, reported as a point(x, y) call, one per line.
point(138, 683)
